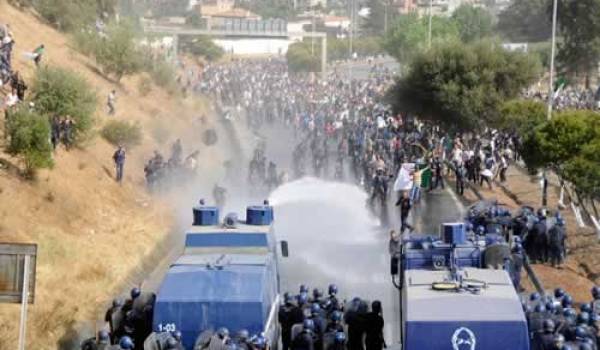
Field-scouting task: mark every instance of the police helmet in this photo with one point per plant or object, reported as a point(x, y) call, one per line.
point(317, 293)
point(550, 306)
point(580, 333)
point(117, 303)
point(259, 342)
point(518, 248)
point(517, 239)
point(567, 300)
point(223, 332)
point(583, 318)
point(559, 339)
point(308, 324)
point(541, 213)
point(596, 292)
point(336, 316)
point(135, 292)
point(586, 308)
point(569, 313)
point(243, 335)
point(315, 308)
point(340, 337)
point(559, 293)
point(585, 345)
point(534, 296)
point(332, 290)
point(480, 230)
point(527, 308)
point(287, 298)
point(302, 298)
point(303, 289)
point(177, 335)
point(468, 226)
point(549, 326)
point(539, 308)
point(171, 344)
point(560, 221)
point(126, 343)
point(103, 336)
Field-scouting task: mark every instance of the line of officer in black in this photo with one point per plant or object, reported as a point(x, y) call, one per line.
point(554, 323)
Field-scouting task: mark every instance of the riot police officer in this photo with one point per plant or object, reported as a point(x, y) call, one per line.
point(339, 342)
point(319, 325)
point(335, 323)
point(545, 339)
point(289, 314)
point(101, 342)
point(242, 340)
point(305, 340)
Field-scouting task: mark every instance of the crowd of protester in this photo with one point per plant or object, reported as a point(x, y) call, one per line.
point(570, 97)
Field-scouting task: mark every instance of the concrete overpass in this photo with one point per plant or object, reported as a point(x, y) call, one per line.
point(176, 32)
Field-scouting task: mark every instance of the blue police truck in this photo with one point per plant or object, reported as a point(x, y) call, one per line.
point(449, 301)
point(226, 277)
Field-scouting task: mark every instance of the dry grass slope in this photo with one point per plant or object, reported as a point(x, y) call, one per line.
point(91, 232)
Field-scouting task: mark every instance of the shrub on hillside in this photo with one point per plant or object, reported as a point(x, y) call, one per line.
point(86, 41)
point(67, 15)
point(28, 133)
point(57, 91)
point(122, 133)
point(117, 53)
point(202, 46)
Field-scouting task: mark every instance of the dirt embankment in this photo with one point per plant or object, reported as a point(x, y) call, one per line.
point(92, 234)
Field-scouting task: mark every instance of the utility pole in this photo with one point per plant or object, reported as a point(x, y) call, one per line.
point(312, 38)
point(550, 94)
point(351, 36)
point(430, 17)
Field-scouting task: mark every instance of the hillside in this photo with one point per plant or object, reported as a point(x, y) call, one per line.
point(92, 234)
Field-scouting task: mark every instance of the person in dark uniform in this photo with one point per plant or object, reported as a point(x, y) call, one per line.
point(517, 264)
point(356, 324)
point(335, 323)
point(460, 173)
point(380, 188)
point(339, 342)
point(374, 328)
point(111, 318)
point(437, 168)
point(119, 158)
point(305, 340)
point(287, 318)
point(102, 342)
point(405, 205)
point(545, 339)
point(243, 342)
point(319, 323)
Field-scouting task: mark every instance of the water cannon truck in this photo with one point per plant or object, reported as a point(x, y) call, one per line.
point(449, 301)
point(227, 276)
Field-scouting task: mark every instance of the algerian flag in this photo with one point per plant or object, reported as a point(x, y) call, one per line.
point(559, 86)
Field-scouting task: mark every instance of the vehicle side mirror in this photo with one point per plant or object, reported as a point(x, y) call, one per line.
point(394, 260)
point(285, 252)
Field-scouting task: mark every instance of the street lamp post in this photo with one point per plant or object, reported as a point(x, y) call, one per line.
point(550, 93)
point(430, 17)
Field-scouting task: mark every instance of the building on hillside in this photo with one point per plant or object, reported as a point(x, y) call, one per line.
point(405, 6)
point(306, 5)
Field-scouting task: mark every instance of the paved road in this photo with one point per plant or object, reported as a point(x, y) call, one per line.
point(334, 238)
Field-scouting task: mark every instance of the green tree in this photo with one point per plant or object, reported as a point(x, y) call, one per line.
point(122, 133)
point(579, 51)
point(474, 23)
point(462, 86)
point(569, 144)
point(117, 53)
point(381, 13)
point(29, 133)
point(58, 91)
point(202, 46)
point(301, 59)
point(408, 35)
point(526, 20)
